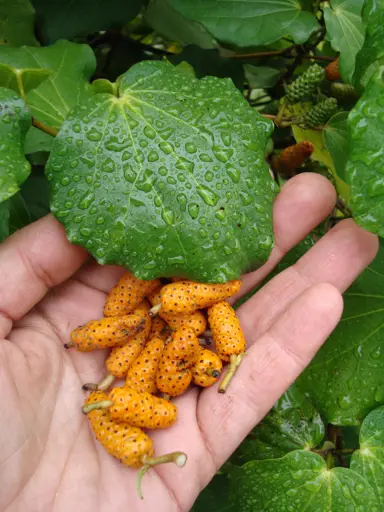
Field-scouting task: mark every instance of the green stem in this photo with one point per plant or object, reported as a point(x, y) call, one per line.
point(329, 460)
point(179, 458)
point(234, 363)
point(44, 127)
point(102, 386)
point(104, 404)
point(20, 83)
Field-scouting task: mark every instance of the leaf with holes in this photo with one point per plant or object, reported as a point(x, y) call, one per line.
point(251, 23)
point(368, 461)
point(335, 136)
point(345, 30)
point(292, 423)
point(17, 22)
point(15, 121)
point(299, 481)
point(365, 166)
point(345, 379)
point(168, 178)
point(66, 19)
point(65, 67)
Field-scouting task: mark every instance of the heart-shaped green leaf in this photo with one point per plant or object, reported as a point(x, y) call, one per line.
point(65, 68)
point(345, 30)
point(15, 121)
point(66, 19)
point(299, 481)
point(345, 379)
point(167, 179)
point(292, 423)
point(17, 19)
point(335, 136)
point(252, 22)
point(368, 461)
point(373, 49)
point(365, 166)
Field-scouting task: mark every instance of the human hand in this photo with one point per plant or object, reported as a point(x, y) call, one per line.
point(49, 460)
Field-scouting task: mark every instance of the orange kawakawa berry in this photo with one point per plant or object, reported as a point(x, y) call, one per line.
point(195, 320)
point(106, 332)
point(174, 374)
point(138, 409)
point(187, 296)
point(332, 71)
point(141, 375)
point(207, 369)
point(228, 337)
point(128, 294)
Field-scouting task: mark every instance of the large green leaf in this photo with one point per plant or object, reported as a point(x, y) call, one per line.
point(345, 30)
point(215, 497)
point(15, 121)
point(292, 423)
point(72, 66)
point(65, 19)
point(37, 141)
point(373, 48)
point(4, 220)
point(346, 378)
point(30, 204)
point(365, 166)
point(168, 178)
point(369, 460)
point(169, 23)
point(335, 136)
point(252, 22)
point(299, 482)
point(17, 19)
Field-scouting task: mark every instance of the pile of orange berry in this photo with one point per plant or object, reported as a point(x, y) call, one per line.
point(159, 334)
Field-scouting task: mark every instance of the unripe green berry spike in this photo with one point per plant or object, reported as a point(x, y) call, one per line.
point(320, 113)
point(305, 85)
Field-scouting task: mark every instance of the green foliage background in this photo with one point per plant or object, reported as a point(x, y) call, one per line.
point(202, 81)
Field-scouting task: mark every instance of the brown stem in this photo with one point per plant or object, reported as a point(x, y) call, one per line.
point(102, 386)
point(69, 344)
point(234, 363)
point(44, 127)
point(104, 404)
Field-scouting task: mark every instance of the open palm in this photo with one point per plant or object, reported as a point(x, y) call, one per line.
point(49, 460)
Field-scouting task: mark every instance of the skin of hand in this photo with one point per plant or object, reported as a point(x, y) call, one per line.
point(49, 459)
